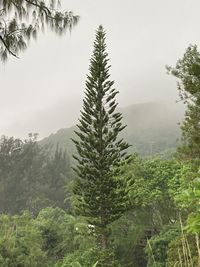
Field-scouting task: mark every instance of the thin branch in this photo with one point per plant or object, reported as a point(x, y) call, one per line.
point(15, 31)
point(7, 47)
point(43, 7)
point(2, 11)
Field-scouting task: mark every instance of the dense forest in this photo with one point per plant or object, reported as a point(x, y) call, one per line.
point(112, 195)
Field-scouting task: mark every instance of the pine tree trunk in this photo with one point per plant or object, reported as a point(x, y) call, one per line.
point(104, 239)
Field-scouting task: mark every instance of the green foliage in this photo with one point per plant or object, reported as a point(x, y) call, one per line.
point(171, 247)
point(53, 238)
point(187, 70)
point(182, 251)
point(21, 164)
point(29, 178)
point(62, 233)
point(152, 185)
point(20, 20)
point(20, 242)
point(157, 246)
point(158, 190)
point(94, 257)
point(55, 227)
point(101, 197)
point(57, 175)
point(129, 235)
point(189, 199)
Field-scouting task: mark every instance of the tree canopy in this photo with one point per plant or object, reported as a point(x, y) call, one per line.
point(187, 70)
point(21, 20)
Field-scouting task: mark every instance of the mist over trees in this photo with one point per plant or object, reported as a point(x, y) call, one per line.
point(105, 209)
point(30, 178)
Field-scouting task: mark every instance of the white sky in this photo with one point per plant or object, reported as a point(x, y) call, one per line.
point(42, 91)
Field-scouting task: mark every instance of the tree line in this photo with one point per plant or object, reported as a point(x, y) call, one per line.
point(31, 178)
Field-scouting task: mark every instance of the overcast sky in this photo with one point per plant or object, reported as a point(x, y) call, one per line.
point(42, 91)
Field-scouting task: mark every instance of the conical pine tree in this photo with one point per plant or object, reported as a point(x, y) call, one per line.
point(101, 197)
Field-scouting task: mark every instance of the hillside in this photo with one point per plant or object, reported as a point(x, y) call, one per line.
point(151, 128)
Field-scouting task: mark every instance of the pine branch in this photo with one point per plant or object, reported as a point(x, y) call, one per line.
point(40, 6)
point(7, 47)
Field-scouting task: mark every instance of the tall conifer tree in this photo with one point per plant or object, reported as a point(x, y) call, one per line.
point(101, 196)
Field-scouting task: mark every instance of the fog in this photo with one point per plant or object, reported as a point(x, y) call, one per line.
point(42, 91)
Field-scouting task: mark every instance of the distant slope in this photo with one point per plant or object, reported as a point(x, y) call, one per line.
point(151, 128)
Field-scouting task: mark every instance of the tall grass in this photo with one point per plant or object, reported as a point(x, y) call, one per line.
point(184, 253)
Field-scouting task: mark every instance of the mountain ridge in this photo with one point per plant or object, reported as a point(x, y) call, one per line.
point(152, 128)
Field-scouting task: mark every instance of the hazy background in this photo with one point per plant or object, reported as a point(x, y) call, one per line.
point(42, 91)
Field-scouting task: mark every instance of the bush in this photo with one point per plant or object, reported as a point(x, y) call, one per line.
point(182, 251)
point(157, 246)
point(20, 242)
point(92, 257)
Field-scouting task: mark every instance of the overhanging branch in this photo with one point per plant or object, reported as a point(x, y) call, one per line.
point(7, 47)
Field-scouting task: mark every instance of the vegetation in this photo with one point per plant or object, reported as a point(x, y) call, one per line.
point(187, 71)
point(101, 197)
point(112, 211)
point(29, 179)
point(20, 20)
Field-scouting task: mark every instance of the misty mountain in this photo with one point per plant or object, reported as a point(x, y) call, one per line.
point(152, 128)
